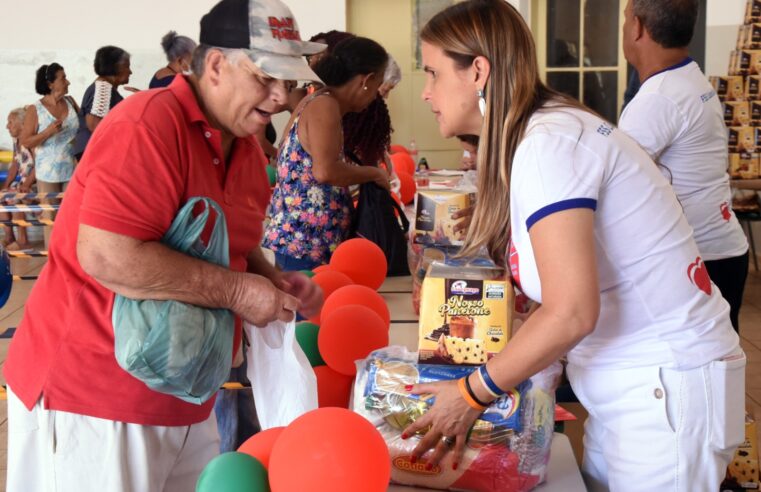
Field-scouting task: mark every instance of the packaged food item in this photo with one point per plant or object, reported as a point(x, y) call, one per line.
point(753, 36)
point(465, 312)
point(753, 88)
point(752, 11)
point(729, 88)
point(433, 216)
point(742, 139)
point(741, 40)
point(732, 69)
point(743, 165)
point(508, 446)
point(755, 113)
point(736, 113)
point(742, 472)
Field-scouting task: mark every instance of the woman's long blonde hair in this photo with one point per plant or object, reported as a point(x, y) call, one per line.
point(495, 30)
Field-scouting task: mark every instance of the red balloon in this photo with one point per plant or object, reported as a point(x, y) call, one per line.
point(350, 333)
point(357, 294)
point(408, 187)
point(320, 268)
point(333, 388)
point(260, 445)
point(398, 148)
point(330, 450)
point(403, 163)
point(329, 281)
point(362, 260)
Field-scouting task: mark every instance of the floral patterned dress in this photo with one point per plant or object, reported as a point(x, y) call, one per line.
point(307, 219)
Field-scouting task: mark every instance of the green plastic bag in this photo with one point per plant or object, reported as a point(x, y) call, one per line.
point(174, 347)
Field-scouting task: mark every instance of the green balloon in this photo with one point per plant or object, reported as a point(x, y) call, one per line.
point(306, 334)
point(271, 175)
point(233, 472)
point(308, 273)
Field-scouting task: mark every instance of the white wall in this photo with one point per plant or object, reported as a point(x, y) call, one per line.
point(35, 32)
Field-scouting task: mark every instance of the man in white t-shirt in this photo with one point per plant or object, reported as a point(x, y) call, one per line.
point(677, 118)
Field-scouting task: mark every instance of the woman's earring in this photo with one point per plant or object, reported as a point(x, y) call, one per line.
point(481, 101)
point(364, 88)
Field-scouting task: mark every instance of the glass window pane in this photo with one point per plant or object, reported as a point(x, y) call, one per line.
point(563, 18)
point(601, 93)
point(601, 33)
point(565, 82)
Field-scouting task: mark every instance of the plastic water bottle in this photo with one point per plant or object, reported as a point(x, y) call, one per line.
point(413, 148)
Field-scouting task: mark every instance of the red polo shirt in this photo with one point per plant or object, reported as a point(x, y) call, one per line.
point(150, 155)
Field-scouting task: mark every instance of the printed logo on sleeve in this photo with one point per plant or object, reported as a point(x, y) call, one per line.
point(707, 96)
point(605, 130)
point(698, 275)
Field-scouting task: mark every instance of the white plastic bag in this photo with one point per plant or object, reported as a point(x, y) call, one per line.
point(282, 380)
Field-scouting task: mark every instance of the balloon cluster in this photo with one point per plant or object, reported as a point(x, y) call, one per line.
point(404, 166)
point(328, 449)
point(353, 322)
point(331, 449)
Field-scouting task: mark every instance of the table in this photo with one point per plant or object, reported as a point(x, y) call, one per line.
point(746, 184)
point(563, 473)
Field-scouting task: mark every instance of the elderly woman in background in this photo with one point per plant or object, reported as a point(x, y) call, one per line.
point(391, 78)
point(112, 65)
point(179, 53)
point(50, 127)
point(20, 179)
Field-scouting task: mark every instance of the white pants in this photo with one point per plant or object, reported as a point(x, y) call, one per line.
point(658, 429)
point(52, 451)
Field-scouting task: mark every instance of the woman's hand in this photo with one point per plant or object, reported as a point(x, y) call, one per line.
point(53, 128)
point(131, 89)
point(450, 416)
point(382, 179)
point(466, 215)
point(302, 288)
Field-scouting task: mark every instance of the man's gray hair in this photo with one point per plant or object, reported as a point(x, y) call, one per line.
point(198, 63)
point(393, 74)
point(671, 23)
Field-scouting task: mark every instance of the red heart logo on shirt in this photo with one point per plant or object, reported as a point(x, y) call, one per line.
point(698, 274)
point(725, 213)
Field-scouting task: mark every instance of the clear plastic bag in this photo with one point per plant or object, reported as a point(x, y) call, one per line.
point(174, 347)
point(508, 448)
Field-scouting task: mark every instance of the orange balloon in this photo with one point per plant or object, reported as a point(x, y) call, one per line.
point(403, 163)
point(398, 148)
point(320, 268)
point(333, 388)
point(260, 445)
point(362, 260)
point(350, 333)
point(330, 450)
point(359, 295)
point(408, 187)
point(329, 281)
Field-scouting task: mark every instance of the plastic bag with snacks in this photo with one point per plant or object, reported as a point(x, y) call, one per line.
point(508, 447)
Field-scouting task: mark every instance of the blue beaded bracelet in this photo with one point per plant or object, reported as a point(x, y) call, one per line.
point(489, 382)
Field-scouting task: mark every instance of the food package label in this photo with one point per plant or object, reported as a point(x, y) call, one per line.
point(433, 216)
point(737, 113)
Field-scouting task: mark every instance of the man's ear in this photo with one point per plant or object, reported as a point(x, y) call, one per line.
point(638, 27)
point(482, 69)
point(214, 64)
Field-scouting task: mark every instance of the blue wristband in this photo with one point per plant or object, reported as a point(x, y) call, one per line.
point(490, 384)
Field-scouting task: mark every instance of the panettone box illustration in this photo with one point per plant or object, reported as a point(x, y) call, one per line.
point(737, 113)
point(464, 313)
point(744, 165)
point(730, 88)
point(742, 139)
point(742, 472)
point(433, 216)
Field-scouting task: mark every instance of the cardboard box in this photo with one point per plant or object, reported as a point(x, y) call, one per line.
point(744, 165)
point(755, 114)
point(752, 11)
point(742, 139)
point(753, 88)
point(465, 313)
point(737, 113)
point(743, 469)
point(741, 39)
point(730, 88)
point(433, 216)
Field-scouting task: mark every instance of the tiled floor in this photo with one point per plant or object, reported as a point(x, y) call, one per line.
point(404, 330)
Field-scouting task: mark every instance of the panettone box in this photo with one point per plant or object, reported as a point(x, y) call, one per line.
point(744, 165)
point(433, 216)
point(465, 312)
point(752, 11)
point(729, 88)
point(737, 113)
point(753, 88)
point(742, 472)
point(742, 139)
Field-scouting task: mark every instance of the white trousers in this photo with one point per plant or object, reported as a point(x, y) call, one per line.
point(53, 451)
point(659, 429)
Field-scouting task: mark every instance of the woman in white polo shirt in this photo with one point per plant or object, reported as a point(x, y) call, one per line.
point(596, 236)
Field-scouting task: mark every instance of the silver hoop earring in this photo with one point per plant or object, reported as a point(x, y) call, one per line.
point(481, 101)
point(364, 88)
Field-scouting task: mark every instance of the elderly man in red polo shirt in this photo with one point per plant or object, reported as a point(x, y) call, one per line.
point(77, 421)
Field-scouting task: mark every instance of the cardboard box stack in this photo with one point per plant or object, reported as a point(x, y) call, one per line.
point(740, 93)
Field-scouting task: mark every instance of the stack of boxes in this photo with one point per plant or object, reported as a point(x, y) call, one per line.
point(740, 93)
